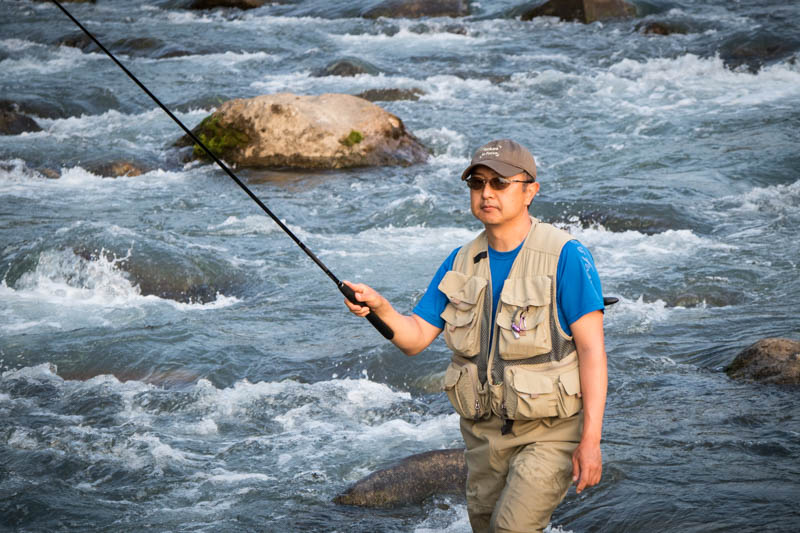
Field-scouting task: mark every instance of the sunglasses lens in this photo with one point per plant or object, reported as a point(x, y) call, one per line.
point(499, 184)
point(475, 184)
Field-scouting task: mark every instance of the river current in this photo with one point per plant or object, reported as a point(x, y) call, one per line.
point(171, 361)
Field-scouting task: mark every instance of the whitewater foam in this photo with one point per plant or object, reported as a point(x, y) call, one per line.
point(622, 255)
point(62, 282)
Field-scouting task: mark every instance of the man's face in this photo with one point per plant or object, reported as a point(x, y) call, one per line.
point(497, 207)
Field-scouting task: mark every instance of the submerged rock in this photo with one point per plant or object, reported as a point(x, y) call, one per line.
point(755, 49)
point(418, 8)
point(659, 28)
point(117, 169)
point(322, 132)
point(771, 360)
point(13, 123)
point(391, 95)
point(238, 4)
point(412, 480)
point(348, 66)
point(586, 11)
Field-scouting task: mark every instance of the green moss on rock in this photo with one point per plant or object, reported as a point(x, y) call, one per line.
point(218, 138)
point(353, 138)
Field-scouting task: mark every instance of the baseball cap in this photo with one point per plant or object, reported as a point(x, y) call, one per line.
point(504, 156)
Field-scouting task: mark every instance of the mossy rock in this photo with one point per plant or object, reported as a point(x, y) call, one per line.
point(221, 139)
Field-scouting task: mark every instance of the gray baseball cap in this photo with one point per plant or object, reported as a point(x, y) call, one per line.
point(504, 156)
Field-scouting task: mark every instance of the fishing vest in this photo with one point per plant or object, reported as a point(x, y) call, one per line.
point(527, 367)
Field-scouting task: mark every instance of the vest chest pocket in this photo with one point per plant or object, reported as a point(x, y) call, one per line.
point(464, 390)
point(524, 318)
point(462, 315)
point(530, 394)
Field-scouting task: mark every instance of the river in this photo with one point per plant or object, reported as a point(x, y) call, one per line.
point(171, 361)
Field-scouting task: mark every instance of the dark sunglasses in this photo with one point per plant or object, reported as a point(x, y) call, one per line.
point(497, 183)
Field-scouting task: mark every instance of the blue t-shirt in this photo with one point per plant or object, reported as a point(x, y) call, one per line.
point(578, 289)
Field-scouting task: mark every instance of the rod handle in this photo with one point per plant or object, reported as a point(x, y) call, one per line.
point(610, 300)
point(374, 319)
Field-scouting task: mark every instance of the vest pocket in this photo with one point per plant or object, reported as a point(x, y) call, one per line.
point(533, 393)
point(524, 318)
point(569, 398)
point(462, 315)
point(464, 390)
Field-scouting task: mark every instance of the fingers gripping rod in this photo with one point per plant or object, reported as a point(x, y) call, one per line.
point(379, 324)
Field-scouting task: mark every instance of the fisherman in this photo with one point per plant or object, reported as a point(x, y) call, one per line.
point(521, 307)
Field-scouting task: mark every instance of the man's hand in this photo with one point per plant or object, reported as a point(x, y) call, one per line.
point(364, 293)
point(587, 465)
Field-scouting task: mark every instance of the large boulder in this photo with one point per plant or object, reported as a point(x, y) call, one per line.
point(323, 132)
point(13, 123)
point(586, 11)
point(770, 360)
point(413, 9)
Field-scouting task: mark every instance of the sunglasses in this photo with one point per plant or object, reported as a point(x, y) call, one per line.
point(497, 183)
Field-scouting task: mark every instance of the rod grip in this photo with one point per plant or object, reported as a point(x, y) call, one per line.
point(374, 319)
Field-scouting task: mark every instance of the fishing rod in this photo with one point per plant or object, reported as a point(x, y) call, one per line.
point(379, 324)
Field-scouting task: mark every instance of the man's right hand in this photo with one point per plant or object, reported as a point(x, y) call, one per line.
point(364, 293)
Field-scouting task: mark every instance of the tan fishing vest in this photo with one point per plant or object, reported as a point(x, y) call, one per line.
point(527, 368)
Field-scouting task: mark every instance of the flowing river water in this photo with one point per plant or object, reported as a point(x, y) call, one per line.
point(171, 361)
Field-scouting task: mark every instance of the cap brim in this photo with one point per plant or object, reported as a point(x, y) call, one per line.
point(504, 169)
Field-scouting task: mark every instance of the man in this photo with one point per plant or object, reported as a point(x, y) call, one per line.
point(522, 310)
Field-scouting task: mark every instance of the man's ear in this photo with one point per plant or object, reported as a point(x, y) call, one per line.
point(533, 190)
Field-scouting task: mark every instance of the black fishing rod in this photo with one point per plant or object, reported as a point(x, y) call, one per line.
point(379, 324)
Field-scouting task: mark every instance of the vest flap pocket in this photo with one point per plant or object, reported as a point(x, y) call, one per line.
point(571, 380)
point(524, 318)
point(524, 292)
point(457, 318)
point(465, 391)
point(461, 290)
point(451, 377)
point(529, 382)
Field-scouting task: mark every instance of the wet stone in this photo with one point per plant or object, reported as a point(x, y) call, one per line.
point(391, 95)
point(13, 123)
point(348, 67)
point(586, 11)
point(237, 4)
point(419, 8)
point(772, 360)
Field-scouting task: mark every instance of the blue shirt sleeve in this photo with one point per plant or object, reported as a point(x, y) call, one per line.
point(578, 285)
point(434, 301)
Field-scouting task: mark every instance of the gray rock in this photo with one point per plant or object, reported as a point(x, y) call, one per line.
point(586, 11)
point(238, 4)
point(771, 360)
point(391, 95)
point(412, 480)
point(13, 123)
point(322, 132)
point(348, 66)
point(418, 8)
point(757, 48)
